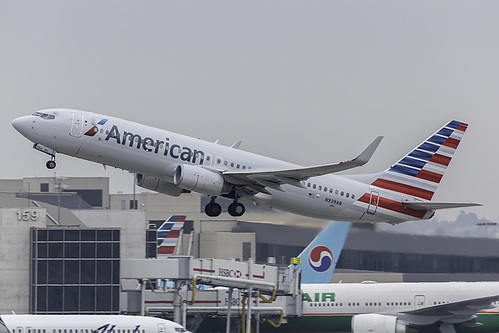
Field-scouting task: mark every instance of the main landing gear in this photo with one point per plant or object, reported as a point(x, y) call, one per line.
point(213, 209)
point(236, 209)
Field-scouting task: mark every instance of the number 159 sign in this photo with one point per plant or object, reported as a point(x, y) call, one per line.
point(27, 215)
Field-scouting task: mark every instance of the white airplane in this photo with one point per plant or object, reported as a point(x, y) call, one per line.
point(173, 164)
point(88, 323)
point(447, 307)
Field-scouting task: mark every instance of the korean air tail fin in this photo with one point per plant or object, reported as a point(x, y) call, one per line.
point(168, 235)
point(320, 257)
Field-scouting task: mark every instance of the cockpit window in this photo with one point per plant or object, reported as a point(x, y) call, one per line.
point(45, 116)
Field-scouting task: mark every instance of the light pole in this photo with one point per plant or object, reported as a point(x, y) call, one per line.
point(59, 186)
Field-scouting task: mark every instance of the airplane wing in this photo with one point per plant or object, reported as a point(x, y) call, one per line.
point(459, 313)
point(419, 205)
point(258, 180)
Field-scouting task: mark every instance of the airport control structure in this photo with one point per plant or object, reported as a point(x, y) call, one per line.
point(69, 246)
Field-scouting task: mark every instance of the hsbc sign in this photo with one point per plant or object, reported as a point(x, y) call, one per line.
point(226, 272)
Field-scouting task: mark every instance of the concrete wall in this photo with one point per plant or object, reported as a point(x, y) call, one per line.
point(225, 245)
point(11, 185)
point(133, 226)
point(160, 206)
point(32, 185)
point(15, 257)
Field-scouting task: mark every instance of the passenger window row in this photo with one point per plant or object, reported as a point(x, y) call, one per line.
point(227, 163)
point(326, 304)
point(330, 190)
point(398, 303)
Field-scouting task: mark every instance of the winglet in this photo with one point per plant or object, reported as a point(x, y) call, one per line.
point(366, 155)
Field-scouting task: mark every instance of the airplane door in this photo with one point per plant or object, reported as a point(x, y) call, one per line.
point(161, 328)
point(419, 301)
point(373, 203)
point(76, 127)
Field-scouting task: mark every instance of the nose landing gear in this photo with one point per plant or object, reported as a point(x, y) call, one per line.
point(51, 163)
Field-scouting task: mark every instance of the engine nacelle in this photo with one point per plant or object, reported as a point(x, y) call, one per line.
point(158, 185)
point(377, 323)
point(194, 178)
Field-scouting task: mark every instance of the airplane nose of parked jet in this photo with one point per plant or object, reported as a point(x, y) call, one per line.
point(21, 124)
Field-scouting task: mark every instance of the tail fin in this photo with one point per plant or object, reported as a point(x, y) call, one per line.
point(320, 257)
point(418, 173)
point(168, 235)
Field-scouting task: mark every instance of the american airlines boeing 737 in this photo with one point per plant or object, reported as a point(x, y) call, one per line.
point(173, 164)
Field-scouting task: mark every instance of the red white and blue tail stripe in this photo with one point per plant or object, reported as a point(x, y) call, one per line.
point(168, 235)
point(418, 173)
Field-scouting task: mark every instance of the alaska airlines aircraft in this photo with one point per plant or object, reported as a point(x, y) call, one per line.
point(447, 307)
point(88, 323)
point(173, 164)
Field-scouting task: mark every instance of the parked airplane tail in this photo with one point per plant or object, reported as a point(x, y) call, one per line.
point(320, 257)
point(418, 173)
point(168, 235)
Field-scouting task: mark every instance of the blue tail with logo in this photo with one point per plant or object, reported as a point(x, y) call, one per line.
point(320, 257)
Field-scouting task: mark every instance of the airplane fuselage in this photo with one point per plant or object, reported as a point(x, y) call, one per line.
point(157, 153)
point(89, 323)
point(338, 303)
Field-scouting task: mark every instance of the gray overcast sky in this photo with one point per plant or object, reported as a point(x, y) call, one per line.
point(310, 82)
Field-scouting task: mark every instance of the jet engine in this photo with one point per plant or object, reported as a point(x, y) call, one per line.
point(372, 322)
point(158, 185)
point(194, 178)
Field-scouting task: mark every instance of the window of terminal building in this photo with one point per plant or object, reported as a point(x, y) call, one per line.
point(44, 187)
point(75, 271)
point(246, 251)
point(134, 204)
point(92, 197)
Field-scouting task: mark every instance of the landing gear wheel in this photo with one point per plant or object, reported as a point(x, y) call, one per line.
point(236, 209)
point(50, 164)
point(213, 209)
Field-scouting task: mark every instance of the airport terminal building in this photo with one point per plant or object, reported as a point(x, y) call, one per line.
point(61, 247)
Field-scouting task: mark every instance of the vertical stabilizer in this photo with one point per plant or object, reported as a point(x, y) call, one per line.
point(419, 172)
point(320, 257)
point(168, 235)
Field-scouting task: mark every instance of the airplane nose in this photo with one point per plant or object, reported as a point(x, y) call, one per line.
point(22, 124)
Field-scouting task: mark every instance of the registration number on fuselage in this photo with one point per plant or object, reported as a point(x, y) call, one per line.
point(332, 202)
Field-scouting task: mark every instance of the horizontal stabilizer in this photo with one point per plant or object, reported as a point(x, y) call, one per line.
point(438, 205)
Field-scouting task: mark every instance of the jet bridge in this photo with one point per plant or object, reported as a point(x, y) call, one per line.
point(256, 286)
